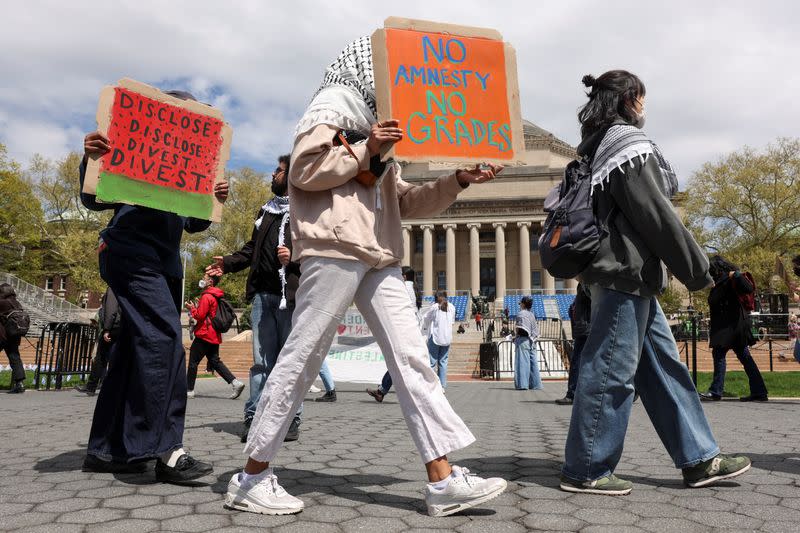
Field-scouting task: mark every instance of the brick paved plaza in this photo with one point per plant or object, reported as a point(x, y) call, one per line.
point(357, 470)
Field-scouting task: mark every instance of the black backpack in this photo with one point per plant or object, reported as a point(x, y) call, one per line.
point(17, 322)
point(225, 316)
point(571, 234)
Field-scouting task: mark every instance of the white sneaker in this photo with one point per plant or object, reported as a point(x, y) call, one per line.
point(264, 496)
point(465, 490)
point(314, 389)
point(190, 394)
point(237, 387)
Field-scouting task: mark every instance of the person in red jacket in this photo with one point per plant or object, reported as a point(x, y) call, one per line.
point(207, 339)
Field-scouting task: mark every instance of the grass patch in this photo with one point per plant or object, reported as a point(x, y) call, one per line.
point(779, 384)
point(5, 380)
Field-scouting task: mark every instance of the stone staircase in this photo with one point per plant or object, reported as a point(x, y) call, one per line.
point(42, 306)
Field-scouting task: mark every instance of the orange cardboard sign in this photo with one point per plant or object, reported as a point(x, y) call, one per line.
point(453, 89)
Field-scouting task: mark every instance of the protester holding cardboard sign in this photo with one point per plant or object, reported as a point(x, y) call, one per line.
point(347, 237)
point(142, 405)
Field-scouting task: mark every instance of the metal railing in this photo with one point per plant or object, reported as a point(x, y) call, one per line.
point(64, 349)
point(45, 301)
point(552, 346)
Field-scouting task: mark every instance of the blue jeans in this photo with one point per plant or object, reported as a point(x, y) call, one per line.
point(326, 377)
point(526, 365)
point(574, 365)
point(386, 383)
point(757, 386)
point(271, 327)
point(438, 355)
point(630, 346)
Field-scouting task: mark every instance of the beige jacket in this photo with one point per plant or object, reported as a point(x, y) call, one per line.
point(332, 215)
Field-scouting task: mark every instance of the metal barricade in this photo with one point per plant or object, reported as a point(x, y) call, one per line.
point(64, 349)
point(552, 347)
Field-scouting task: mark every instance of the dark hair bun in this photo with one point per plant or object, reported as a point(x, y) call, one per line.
point(589, 80)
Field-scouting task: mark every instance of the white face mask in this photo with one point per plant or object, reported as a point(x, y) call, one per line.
point(202, 284)
point(640, 119)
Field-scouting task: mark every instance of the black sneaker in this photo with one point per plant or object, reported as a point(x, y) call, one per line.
point(92, 463)
point(566, 400)
point(754, 398)
point(294, 432)
point(246, 429)
point(708, 397)
point(329, 396)
point(85, 390)
point(17, 388)
point(186, 469)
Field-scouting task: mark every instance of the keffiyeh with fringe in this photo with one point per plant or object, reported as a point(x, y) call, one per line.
point(278, 205)
point(623, 144)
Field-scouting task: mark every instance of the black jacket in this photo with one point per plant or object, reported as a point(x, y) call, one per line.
point(8, 303)
point(580, 313)
point(144, 233)
point(645, 232)
point(110, 317)
point(260, 254)
point(729, 324)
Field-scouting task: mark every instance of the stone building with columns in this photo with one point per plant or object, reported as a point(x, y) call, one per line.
point(486, 242)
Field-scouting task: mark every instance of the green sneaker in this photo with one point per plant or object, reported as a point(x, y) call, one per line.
point(715, 469)
point(610, 485)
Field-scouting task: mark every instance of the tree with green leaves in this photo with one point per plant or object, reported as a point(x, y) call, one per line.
point(21, 222)
point(746, 206)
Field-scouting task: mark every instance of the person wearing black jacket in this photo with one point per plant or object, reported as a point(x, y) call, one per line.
point(109, 325)
point(730, 329)
point(141, 409)
point(630, 347)
point(10, 343)
point(580, 319)
point(266, 254)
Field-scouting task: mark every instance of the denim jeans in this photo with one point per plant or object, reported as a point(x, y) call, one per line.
point(757, 386)
point(630, 347)
point(574, 365)
point(271, 327)
point(438, 355)
point(326, 377)
point(526, 365)
point(386, 383)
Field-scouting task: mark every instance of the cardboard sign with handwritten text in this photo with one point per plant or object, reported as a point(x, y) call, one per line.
point(453, 88)
point(166, 153)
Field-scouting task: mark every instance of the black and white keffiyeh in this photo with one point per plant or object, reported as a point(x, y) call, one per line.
point(622, 144)
point(278, 205)
point(346, 97)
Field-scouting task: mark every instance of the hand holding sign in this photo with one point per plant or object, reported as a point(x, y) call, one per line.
point(95, 144)
point(383, 133)
point(478, 174)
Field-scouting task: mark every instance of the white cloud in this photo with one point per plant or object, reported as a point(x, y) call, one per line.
point(719, 75)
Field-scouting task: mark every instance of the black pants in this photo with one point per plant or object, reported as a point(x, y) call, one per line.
point(11, 347)
point(574, 365)
point(141, 408)
point(200, 349)
point(98, 371)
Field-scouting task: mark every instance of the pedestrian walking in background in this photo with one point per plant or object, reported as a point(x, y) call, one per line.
point(13, 320)
point(439, 319)
point(109, 323)
point(580, 321)
point(730, 328)
point(206, 337)
point(526, 359)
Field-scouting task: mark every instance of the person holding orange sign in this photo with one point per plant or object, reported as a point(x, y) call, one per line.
point(346, 207)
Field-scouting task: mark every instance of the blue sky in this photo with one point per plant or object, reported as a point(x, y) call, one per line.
point(720, 75)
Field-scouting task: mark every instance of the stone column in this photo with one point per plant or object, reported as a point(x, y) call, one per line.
point(450, 240)
point(572, 284)
point(548, 282)
point(500, 261)
point(406, 245)
point(427, 259)
point(524, 256)
point(474, 259)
